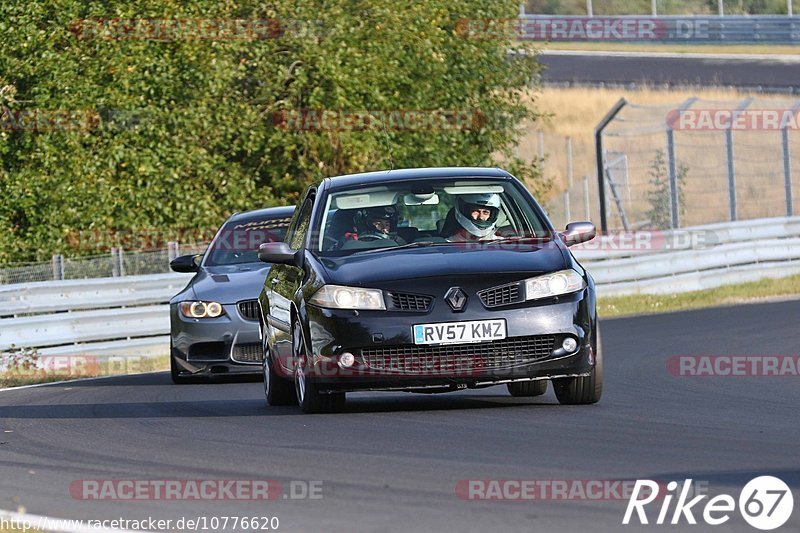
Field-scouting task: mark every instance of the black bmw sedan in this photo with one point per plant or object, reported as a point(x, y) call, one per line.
point(426, 280)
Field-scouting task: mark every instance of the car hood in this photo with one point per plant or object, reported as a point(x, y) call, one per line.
point(369, 269)
point(230, 284)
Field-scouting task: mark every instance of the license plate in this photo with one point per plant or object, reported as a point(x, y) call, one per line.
point(460, 332)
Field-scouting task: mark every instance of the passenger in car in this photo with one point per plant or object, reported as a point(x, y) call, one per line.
point(474, 217)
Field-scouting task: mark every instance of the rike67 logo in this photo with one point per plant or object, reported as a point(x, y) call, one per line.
point(765, 503)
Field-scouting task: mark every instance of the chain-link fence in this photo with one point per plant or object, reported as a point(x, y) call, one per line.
point(701, 161)
point(113, 264)
point(690, 163)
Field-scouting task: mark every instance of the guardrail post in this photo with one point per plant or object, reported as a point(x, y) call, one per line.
point(567, 213)
point(789, 7)
point(654, 7)
point(589, 10)
point(58, 267)
point(720, 8)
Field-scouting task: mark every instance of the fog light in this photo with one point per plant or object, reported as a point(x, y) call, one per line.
point(569, 345)
point(347, 359)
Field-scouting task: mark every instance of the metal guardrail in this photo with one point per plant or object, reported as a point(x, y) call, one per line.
point(128, 316)
point(699, 29)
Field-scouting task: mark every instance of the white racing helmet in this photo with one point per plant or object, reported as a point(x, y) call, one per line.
point(466, 203)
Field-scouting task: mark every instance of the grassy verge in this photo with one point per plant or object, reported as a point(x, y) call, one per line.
point(756, 291)
point(16, 378)
point(758, 49)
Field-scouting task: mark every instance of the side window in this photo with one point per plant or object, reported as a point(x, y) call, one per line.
point(298, 232)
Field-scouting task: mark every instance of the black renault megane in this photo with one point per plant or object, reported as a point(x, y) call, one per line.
point(426, 280)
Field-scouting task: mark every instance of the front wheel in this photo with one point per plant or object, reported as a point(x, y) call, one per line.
point(278, 391)
point(582, 390)
point(308, 395)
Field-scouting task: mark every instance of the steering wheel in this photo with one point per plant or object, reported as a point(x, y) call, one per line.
point(370, 238)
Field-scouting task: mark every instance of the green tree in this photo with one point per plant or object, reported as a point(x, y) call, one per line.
point(184, 131)
point(658, 196)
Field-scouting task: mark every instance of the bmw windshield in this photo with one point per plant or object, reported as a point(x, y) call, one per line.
point(426, 213)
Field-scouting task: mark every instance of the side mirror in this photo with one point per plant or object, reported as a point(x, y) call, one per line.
point(277, 253)
point(185, 263)
point(578, 232)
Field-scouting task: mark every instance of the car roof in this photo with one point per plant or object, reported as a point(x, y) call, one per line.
point(383, 176)
point(257, 214)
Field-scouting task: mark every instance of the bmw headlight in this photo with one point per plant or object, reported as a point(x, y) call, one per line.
point(554, 284)
point(195, 309)
point(339, 297)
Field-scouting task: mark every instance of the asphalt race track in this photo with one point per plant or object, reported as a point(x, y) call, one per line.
point(392, 461)
point(776, 73)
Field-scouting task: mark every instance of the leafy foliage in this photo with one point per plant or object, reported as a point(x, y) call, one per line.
point(183, 132)
point(660, 215)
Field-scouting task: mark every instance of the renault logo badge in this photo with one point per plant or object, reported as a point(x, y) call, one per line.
point(456, 298)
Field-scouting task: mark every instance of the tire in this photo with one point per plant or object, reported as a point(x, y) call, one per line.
point(309, 398)
point(527, 388)
point(277, 390)
point(582, 390)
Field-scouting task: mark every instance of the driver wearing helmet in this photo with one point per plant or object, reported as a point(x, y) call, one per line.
point(474, 218)
point(376, 223)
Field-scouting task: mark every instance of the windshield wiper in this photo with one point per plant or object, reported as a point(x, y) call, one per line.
point(416, 244)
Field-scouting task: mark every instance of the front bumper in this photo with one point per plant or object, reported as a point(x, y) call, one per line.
point(532, 349)
point(228, 344)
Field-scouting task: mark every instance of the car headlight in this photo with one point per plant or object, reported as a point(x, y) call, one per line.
point(561, 282)
point(194, 309)
point(338, 297)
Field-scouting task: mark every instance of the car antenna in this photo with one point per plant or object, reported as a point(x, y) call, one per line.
point(388, 146)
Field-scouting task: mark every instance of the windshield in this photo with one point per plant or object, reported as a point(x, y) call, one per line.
point(434, 212)
point(237, 241)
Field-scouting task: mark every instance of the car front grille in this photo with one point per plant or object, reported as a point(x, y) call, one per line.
point(456, 358)
point(247, 353)
point(249, 309)
point(502, 295)
point(410, 302)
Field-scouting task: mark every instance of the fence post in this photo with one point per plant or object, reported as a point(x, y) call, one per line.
point(674, 197)
point(567, 213)
point(729, 155)
point(589, 10)
point(586, 197)
point(121, 259)
point(654, 7)
point(173, 251)
point(114, 263)
point(789, 7)
point(58, 267)
point(787, 170)
point(569, 162)
point(720, 8)
point(598, 148)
